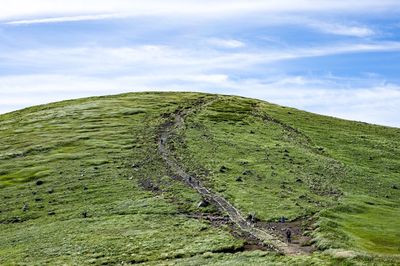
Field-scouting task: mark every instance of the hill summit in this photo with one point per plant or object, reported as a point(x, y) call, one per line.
point(194, 179)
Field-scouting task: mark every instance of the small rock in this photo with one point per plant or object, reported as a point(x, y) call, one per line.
point(203, 203)
point(251, 217)
point(239, 179)
point(223, 169)
point(51, 213)
point(25, 207)
point(394, 186)
point(50, 191)
point(84, 214)
point(247, 172)
point(39, 182)
point(298, 180)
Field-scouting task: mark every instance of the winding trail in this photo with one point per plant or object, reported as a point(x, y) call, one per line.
point(167, 130)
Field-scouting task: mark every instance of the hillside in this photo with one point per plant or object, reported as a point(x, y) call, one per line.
point(195, 179)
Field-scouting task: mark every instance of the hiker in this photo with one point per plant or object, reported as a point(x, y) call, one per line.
point(289, 235)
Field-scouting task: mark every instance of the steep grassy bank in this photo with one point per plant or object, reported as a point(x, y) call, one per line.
point(82, 182)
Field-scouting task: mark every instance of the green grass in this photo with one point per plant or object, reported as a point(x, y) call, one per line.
point(341, 174)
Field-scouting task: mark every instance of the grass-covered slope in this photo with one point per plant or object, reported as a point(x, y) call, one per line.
point(84, 182)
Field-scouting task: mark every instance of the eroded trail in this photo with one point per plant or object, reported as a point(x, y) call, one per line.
point(167, 130)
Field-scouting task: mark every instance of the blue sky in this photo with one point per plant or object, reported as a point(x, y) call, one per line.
point(339, 58)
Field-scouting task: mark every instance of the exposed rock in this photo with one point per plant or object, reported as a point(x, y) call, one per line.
point(223, 169)
point(248, 172)
point(203, 203)
point(251, 217)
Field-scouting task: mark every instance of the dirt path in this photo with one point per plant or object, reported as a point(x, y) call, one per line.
point(166, 132)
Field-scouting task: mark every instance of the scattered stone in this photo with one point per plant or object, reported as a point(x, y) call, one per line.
point(50, 191)
point(84, 214)
point(14, 220)
point(298, 180)
point(283, 219)
point(223, 169)
point(51, 213)
point(394, 186)
point(251, 217)
point(203, 203)
point(135, 165)
point(25, 207)
point(239, 179)
point(39, 182)
point(248, 172)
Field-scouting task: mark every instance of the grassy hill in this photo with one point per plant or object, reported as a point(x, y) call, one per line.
point(119, 179)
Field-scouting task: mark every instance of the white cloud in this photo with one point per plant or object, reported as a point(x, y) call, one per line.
point(226, 43)
point(164, 59)
point(65, 19)
point(38, 11)
point(342, 29)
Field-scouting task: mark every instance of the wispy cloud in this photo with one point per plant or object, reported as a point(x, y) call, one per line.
point(165, 59)
point(226, 43)
point(65, 19)
point(342, 29)
point(56, 11)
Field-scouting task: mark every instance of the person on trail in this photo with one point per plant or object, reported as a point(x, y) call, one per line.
point(289, 235)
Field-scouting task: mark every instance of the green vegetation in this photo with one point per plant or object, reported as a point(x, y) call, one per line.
point(82, 182)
